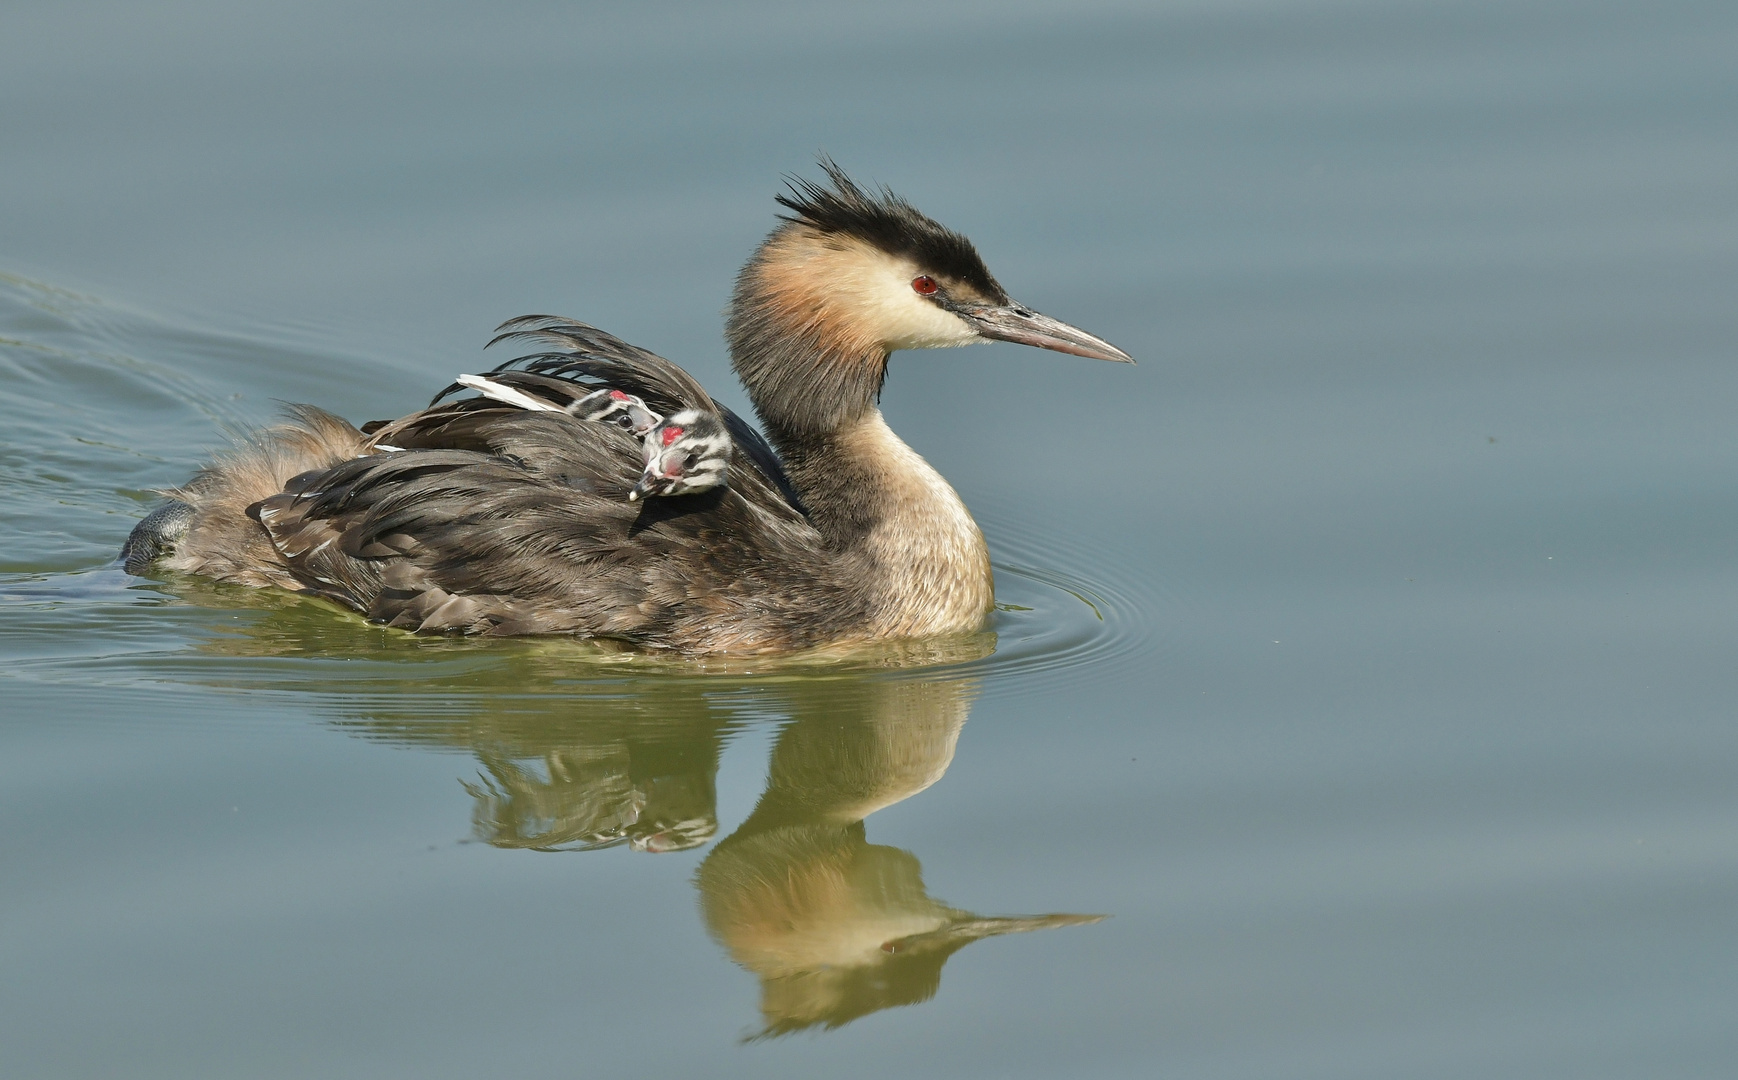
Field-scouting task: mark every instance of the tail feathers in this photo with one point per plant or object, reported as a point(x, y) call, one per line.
point(493, 390)
point(219, 540)
point(583, 352)
point(155, 536)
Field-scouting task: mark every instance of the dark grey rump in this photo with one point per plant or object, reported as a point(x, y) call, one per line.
point(155, 536)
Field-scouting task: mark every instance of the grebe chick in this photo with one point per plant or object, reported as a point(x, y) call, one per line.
point(614, 407)
point(605, 406)
point(494, 519)
point(688, 452)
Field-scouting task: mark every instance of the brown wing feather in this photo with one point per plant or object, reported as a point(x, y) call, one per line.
point(585, 351)
point(585, 358)
point(531, 533)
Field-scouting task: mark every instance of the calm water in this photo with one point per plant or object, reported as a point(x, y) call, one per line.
point(1368, 652)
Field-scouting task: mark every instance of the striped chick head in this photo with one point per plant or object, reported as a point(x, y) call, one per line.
point(615, 407)
point(688, 452)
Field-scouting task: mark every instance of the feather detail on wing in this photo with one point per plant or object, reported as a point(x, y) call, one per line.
point(533, 534)
point(587, 359)
point(582, 351)
point(500, 391)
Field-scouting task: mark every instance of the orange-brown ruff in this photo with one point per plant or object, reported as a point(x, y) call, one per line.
point(476, 516)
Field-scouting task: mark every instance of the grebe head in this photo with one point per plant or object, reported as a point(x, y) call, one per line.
point(624, 410)
point(687, 453)
point(851, 276)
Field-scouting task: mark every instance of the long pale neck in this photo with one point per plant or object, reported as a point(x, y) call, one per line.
point(874, 498)
point(812, 361)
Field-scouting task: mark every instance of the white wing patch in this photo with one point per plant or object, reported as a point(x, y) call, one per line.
point(506, 395)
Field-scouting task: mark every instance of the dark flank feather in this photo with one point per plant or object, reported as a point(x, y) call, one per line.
point(533, 535)
point(751, 442)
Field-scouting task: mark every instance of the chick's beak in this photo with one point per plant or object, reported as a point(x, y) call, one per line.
point(1023, 326)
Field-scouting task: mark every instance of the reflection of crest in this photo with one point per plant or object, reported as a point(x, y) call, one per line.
point(580, 750)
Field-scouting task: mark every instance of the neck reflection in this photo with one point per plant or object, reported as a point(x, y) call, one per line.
point(836, 927)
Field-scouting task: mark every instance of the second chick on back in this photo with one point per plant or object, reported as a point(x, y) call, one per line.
point(687, 452)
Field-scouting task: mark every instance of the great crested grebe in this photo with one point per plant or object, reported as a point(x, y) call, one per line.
point(490, 518)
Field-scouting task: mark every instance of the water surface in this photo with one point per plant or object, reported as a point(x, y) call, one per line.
point(1364, 654)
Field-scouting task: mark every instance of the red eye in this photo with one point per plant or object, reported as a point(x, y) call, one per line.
point(671, 434)
point(924, 284)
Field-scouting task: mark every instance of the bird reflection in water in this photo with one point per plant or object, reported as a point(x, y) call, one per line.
point(834, 927)
point(651, 789)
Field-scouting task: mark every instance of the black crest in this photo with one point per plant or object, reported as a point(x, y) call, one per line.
point(888, 222)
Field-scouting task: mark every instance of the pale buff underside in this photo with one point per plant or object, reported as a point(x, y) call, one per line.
point(935, 567)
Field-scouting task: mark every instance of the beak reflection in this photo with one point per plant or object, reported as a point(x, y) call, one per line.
point(836, 927)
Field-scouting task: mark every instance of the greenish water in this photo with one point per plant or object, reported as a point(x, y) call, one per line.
point(1365, 655)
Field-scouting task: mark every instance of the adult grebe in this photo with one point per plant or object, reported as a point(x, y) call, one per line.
point(490, 518)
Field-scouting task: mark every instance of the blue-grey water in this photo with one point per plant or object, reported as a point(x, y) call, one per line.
point(1367, 654)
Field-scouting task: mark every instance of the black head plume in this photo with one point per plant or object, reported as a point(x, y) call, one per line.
point(889, 223)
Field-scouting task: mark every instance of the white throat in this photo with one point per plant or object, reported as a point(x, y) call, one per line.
point(931, 553)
